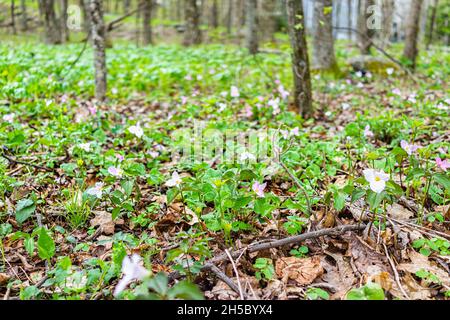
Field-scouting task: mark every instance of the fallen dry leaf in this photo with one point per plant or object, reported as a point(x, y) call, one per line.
point(103, 219)
point(4, 278)
point(341, 276)
point(367, 260)
point(302, 270)
point(419, 261)
point(399, 212)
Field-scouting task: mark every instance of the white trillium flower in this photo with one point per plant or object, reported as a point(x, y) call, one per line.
point(8, 118)
point(136, 130)
point(247, 155)
point(390, 71)
point(175, 180)
point(96, 191)
point(115, 171)
point(377, 179)
point(85, 146)
point(132, 270)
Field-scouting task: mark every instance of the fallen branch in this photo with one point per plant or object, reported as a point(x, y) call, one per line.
point(111, 25)
point(222, 276)
point(386, 54)
point(12, 160)
point(211, 264)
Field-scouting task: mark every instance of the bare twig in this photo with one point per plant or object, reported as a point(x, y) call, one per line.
point(241, 294)
point(222, 276)
point(394, 269)
point(12, 160)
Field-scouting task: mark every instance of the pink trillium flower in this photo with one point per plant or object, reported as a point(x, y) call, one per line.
point(376, 179)
point(234, 92)
point(120, 157)
point(92, 110)
point(153, 154)
point(295, 132)
point(397, 92)
point(284, 133)
point(284, 93)
point(8, 117)
point(188, 77)
point(443, 164)
point(248, 112)
point(131, 270)
point(115, 171)
point(183, 99)
point(367, 132)
point(409, 148)
point(258, 188)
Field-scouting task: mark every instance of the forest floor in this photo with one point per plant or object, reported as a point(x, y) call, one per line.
point(83, 184)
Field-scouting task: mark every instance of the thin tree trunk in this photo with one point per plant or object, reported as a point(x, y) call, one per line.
point(338, 7)
point(230, 16)
point(432, 21)
point(52, 28)
point(214, 14)
point(84, 4)
point(323, 44)
point(147, 21)
point(267, 18)
point(412, 31)
point(13, 17)
point(349, 19)
point(251, 37)
point(23, 15)
point(366, 33)
point(388, 8)
point(126, 6)
point(98, 33)
point(63, 21)
point(192, 34)
point(300, 61)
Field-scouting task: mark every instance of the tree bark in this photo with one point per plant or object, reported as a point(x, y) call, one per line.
point(300, 61)
point(432, 21)
point(13, 17)
point(192, 34)
point(23, 15)
point(323, 44)
point(86, 16)
point(251, 36)
point(266, 20)
point(98, 33)
point(412, 31)
point(214, 15)
point(63, 21)
point(349, 19)
point(147, 21)
point(52, 28)
point(365, 32)
point(388, 8)
point(230, 16)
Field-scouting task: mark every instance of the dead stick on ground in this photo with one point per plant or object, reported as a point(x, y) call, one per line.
point(290, 240)
point(222, 276)
point(241, 294)
point(211, 264)
point(397, 277)
point(407, 71)
point(24, 163)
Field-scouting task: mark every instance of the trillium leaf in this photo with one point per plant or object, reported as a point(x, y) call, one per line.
point(25, 208)
point(46, 245)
